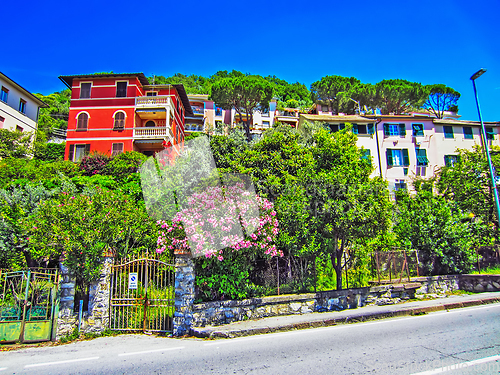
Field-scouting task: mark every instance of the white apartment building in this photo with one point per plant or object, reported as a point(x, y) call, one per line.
point(18, 107)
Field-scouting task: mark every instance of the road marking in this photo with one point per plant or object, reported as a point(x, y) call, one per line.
point(460, 366)
point(151, 351)
point(61, 362)
point(3, 368)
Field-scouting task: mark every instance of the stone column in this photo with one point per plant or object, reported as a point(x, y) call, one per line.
point(184, 292)
point(99, 299)
point(66, 319)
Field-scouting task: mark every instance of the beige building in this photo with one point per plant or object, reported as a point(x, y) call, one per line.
point(403, 147)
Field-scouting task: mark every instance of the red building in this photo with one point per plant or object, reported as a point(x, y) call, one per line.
point(114, 113)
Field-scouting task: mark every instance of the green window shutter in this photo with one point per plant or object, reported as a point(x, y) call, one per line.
point(388, 154)
point(422, 160)
point(406, 157)
point(371, 128)
point(447, 160)
point(366, 154)
point(355, 128)
point(341, 126)
point(490, 134)
point(418, 130)
point(71, 152)
point(402, 130)
point(386, 130)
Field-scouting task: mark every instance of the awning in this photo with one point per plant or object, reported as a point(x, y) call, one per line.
point(148, 140)
point(423, 159)
point(150, 110)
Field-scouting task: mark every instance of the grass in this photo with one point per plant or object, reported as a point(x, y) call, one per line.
point(495, 270)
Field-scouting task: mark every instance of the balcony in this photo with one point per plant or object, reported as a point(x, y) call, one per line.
point(152, 133)
point(153, 101)
point(198, 110)
point(193, 127)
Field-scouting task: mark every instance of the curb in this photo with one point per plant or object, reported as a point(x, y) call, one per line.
point(214, 333)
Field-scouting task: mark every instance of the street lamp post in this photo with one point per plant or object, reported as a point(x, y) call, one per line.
point(476, 75)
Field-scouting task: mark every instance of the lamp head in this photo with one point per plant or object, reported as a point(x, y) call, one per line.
point(478, 74)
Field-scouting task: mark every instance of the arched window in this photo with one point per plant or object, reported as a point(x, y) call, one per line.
point(83, 120)
point(119, 120)
point(150, 124)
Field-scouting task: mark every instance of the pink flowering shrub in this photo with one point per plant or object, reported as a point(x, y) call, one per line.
point(228, 218)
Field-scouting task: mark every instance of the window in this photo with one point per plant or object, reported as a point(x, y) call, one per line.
point(22, 106)
point(451, 160)
point(19, 129)
point(490, 134)
point(391, 130)
point(400, 185)
point(422, 157)
point(119, 120)
point(77, 152)
point(265, 112)
point(4, 94)
point(85, 90)
point(151, 93)
point(422, 161)
point(371, 128)
point(218, 111)
point(448, 131)
point(150, 124)
point(366, 154)
point(121, 89)
point(265, 124)
point(82, 122)
point(397, 157)
point(324, 108)
point(333, 127)
point(359, 129)
point(418, 130)
point(468, 132)
point(117, 148)
point(2, 121)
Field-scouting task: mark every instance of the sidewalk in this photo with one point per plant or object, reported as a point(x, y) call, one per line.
point(313, 320)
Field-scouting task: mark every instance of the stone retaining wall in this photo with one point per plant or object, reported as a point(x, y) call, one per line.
point(224, 312)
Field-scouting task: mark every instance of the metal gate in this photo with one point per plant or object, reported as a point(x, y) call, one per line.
point(28, 305)
point(142, 296)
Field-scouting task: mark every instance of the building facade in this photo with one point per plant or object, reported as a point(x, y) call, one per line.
point(403, 147)
point(19, 108)
point(114, 113)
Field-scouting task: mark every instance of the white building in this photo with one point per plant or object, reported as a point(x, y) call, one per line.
point(18, 107)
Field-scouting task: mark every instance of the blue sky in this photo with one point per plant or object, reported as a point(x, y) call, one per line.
point(440, 41)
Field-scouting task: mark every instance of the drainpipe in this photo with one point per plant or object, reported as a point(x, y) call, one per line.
point(378, 146)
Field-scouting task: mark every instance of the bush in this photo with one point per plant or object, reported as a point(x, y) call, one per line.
point(125, 164)
point(50, 151)
point(16, 171)
point(94, 163)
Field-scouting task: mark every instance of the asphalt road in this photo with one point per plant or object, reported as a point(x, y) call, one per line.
point(462, 341)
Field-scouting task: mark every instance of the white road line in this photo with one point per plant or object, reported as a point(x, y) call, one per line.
point(61, 362)
point(3, 368)
point(460, 366)
point(151, 351)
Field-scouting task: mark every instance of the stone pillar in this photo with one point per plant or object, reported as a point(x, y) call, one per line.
point(66, 320)
point(99, 299)
point(184, 292)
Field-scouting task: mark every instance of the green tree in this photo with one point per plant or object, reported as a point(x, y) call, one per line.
point(467, 183)
point(399, 96)
point(443, 235)
point(245, 94)
point(14, 143)
point(441, 98)
point(335, 91)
